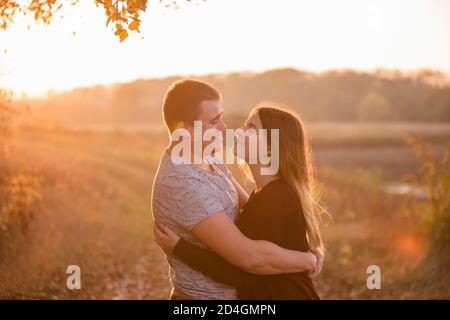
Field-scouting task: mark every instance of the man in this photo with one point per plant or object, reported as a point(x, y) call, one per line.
point(199, 200)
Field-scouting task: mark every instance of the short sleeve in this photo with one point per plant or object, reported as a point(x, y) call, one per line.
point(196, 201)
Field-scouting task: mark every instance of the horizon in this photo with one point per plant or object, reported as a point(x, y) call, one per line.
point(403, 73)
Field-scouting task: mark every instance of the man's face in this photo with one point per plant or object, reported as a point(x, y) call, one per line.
point(211, 116)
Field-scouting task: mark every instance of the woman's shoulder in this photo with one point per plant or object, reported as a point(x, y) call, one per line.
point(279, 189)
point(278, 196)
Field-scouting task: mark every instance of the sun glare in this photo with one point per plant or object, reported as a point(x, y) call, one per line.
point(223, 36)
point(410, 246)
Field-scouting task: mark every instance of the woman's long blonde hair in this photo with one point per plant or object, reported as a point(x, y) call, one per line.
point(295, 166)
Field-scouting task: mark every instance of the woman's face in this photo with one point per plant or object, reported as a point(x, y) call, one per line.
point(253, 121)
point(251, 128)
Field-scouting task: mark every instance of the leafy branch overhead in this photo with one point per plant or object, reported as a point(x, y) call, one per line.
point(124, 14)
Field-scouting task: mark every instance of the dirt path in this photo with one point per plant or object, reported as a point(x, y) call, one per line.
point(141, 281)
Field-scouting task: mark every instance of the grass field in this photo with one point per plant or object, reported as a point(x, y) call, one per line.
point(93, 210)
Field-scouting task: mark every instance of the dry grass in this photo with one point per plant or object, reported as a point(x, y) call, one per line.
point(95, 212)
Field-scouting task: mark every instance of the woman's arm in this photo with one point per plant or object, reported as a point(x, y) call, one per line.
point(221, 235)
point(210, 264)
point(205, 261)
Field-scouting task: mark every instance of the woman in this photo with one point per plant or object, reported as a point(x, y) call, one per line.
point(282, 210)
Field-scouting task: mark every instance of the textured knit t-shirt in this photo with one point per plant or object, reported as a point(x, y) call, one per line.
point(183, 195)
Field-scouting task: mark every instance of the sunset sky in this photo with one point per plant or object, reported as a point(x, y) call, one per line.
point(223, 36)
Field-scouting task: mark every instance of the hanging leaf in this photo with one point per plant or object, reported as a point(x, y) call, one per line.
point(120, 12)
point(134, 26)
point(122, 34)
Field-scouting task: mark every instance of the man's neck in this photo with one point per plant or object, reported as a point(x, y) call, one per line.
point(194, 161)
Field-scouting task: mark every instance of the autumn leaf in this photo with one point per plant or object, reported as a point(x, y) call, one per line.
point(121, 12)
point(122, 34)
point(134, 25)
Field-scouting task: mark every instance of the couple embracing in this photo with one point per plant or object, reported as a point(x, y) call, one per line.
point(220, 242)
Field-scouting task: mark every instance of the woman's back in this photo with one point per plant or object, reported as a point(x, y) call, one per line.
point(274, 214)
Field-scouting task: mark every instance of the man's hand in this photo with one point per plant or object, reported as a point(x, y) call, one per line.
point(318, 268)
point(166, 238)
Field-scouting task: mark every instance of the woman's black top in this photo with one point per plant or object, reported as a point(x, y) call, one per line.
point(274, 214)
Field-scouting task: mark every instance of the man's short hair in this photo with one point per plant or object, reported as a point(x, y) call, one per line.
point(182, 100)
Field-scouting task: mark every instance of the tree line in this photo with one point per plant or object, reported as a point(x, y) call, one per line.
point(336, 96)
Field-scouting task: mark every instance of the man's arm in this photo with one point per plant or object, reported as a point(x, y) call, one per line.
point(221, 235)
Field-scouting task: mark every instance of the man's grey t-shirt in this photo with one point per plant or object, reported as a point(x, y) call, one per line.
point(183, 195)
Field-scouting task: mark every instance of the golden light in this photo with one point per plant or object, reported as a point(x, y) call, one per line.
point(225, 36)
point(410, 245)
